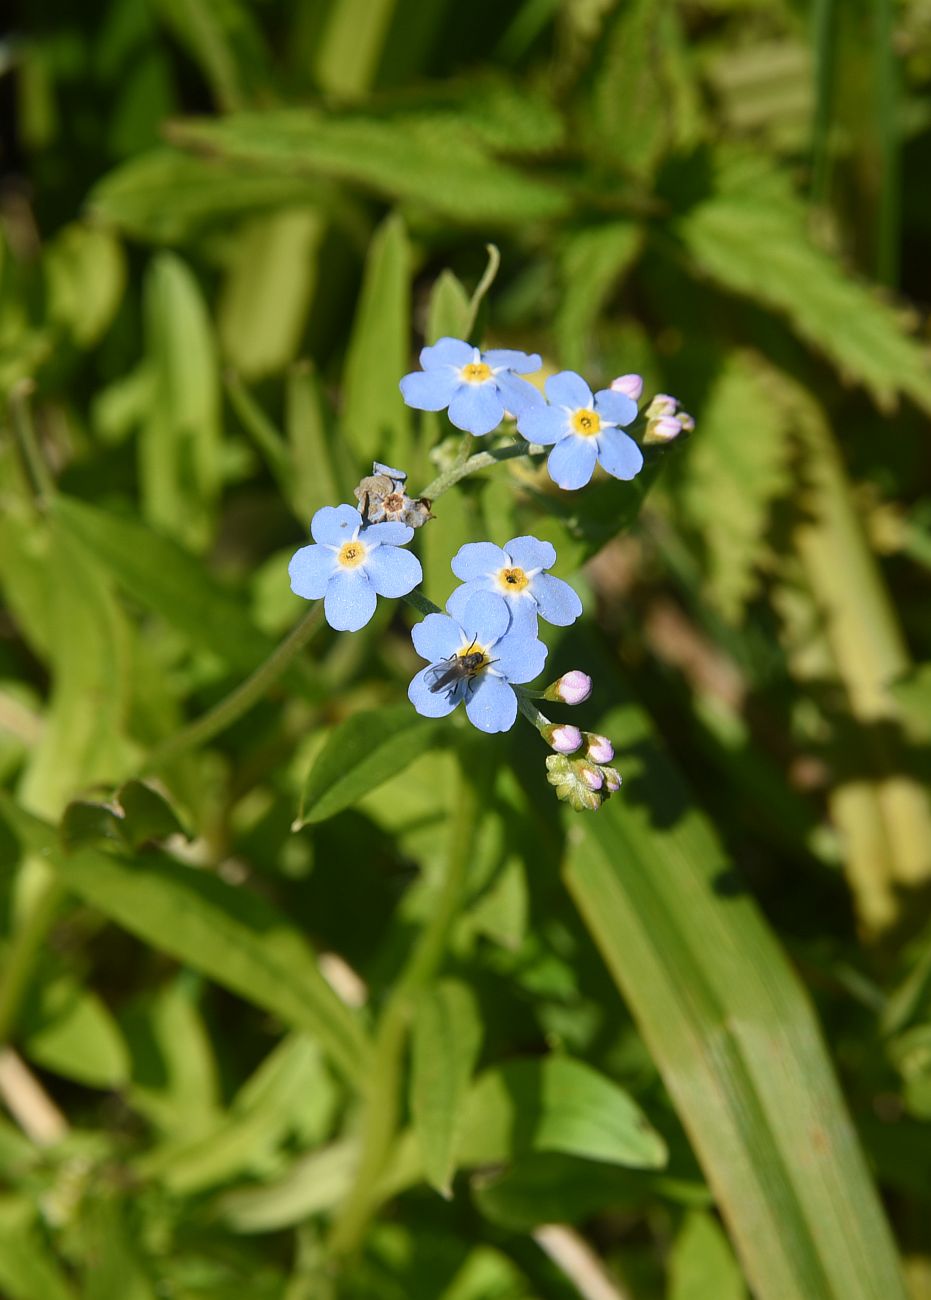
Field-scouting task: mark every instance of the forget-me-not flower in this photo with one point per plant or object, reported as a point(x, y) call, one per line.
point(475, 658)
point(350, 565)
point(478, 387)
point(516, 571)
point(585, 429)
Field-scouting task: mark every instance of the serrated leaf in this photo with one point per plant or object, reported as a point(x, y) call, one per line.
point(560, 1105)
point(375, 420)
point(359, 755)
point(733, 469)
point(749, 236)
point(733, 1035)
point(409, 162)
point(446, 1041)
point(231, 935)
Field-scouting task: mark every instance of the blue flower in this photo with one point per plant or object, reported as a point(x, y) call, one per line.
point(351, 564)
point(474, 658)
point(515, 571)
point(478, 387)
point(584, 429)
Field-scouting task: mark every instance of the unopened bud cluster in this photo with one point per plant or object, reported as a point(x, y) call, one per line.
point(581, 783)
point(666, 420)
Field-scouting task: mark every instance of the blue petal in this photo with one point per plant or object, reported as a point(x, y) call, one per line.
point(333, 525)
point(531, 553)
point(524, 363)
point(619, 454)
point(476, 408)
point(430, 390)
point(437, 637)
point(392, 533)
point(557, 602)
point(393, 572)
point(523, 618)
point(310, 570)
point(431, 704)
point(517, 394)
point(520, 656)
point(462, 595)
point(572, 462)
point(485, 618)
point(543, 424)
point(396, 475)
point(568, 389)
point(350, 600)
point(476, 559)
point(492, 705)
point(616, 407)
point(447, 352)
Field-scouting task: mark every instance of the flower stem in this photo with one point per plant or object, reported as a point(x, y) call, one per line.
point(245, 695)
point(380, 1121)
point(481, 460)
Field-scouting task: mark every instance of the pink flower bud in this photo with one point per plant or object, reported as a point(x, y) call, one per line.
point(591, 776)
point(664, 429)
point(598, 748)
point(612, 779)
point(564, 738)
point(629, 385)
point(572, 688)
point(662, 404)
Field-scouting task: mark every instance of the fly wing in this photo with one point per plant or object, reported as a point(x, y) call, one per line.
point(442, 675)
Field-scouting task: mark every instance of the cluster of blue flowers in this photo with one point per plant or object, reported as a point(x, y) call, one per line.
point(485, 648)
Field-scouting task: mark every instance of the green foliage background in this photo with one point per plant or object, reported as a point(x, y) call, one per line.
point(301, 995)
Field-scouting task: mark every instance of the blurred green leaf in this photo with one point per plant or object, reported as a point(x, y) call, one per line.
point(702, 1264)
point(67, 1029)
point(749, 236)
point(733, 1036)
point(28, 1269)
point(411, 162)
point(594, 261)
point(359, 755)
point(180, 442)
point(556, 1104)
point(913, 692)
point(449, 310)
point(446, 1042)
point(229, 934)
point(375, 420)
point(731, 474)
point(86, 275)
point(114, 1269)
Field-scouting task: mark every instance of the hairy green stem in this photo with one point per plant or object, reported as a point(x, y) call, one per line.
point(481, 460)
point(240, 700)
point(380, 1122)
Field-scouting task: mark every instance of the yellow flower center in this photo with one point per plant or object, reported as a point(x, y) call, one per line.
point(476, 372)
point(586, 422)
point(351, 554)
point(512, 580)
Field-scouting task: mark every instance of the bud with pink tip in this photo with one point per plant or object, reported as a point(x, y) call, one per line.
point(664, 429)
point(598, 748)
point(592, 776)
point(612, 779)
point(562, 737)
point(572, 688)
point(629, 385)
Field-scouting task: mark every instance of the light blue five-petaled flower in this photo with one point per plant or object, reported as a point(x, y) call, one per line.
point(352, 564)
point(516, 571)
point(585, 429)
point(478, 387)
point(491, 652)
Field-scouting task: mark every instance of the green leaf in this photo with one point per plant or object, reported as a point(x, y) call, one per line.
point(147, 815)
point(556, 1104)
point(86, 274)
point(322, 469)
point(913, 693)
point(446, 1043)
point(27, 1268)
point(231, 935)
point(410, 161)
point(702, 1264)
point(269, 285)
point(114, 1269)
point(359, 755)
point(593, 262)
point(375, 420)
point(733, 1035)
point(732, 472)
point(179, 445)
point(160, 575)
point(749, 236)
point(167, 197)
point(350, 46)
point(449, 311)
point(81, 741)
point(67, 1029)
point(315, 1182)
